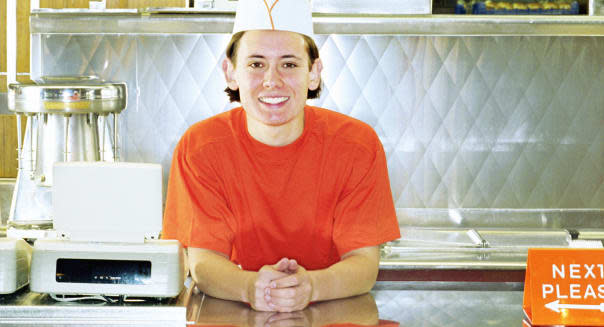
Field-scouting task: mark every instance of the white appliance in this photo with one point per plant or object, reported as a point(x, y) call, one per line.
point(15, 256)
point(150, 269)
point(107, 202)
point(107, 217)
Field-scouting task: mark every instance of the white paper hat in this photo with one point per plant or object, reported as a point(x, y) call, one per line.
point(281, 15)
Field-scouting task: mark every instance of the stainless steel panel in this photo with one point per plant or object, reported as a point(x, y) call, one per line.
point(176, 21)
point(596, 7)
point(477, 130)
point(523, 239)
point(390, 7)
point(591, 234)
point(6, 194)
point(545, 219)
point(431, 237)
point(437, 258)
point(450, 308)
point(446, 286)
point(438, 248)
point(469, 239)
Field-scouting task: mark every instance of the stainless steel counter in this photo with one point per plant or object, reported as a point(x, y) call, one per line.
point(406, 307)
point(27, 308)
point(418, 305)
point(450, 308)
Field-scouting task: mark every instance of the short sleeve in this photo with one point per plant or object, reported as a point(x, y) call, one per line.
point(365, 214)
point(196, 212)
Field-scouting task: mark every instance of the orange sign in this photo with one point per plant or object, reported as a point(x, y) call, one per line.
point(564, 287)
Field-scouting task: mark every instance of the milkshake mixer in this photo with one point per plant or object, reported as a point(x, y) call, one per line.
point(67, 119)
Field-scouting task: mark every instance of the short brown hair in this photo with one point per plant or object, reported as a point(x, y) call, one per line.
point(231, 53)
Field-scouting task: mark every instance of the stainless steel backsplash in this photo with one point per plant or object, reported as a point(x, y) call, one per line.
point(483, 124)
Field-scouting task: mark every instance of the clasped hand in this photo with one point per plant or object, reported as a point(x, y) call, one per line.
point(282, 287)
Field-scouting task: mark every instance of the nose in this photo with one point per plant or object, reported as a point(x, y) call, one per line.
point(272, 79)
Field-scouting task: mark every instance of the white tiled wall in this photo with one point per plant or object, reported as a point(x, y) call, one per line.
point(467, 122)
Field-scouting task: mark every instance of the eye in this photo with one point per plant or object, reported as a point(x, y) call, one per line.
point(290, 65)
point(256, 65)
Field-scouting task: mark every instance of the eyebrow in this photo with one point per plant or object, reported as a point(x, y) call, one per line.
point(288, 56)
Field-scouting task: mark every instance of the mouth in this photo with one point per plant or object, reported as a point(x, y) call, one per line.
point(273, 100)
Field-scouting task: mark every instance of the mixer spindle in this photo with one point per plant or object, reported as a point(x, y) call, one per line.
point(66, 138)
point(102, 119)
point(19, 142)
point(115, 138)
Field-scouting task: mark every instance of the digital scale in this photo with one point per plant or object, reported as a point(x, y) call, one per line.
point(150, 269)
point(15, 256)
point(107, 218)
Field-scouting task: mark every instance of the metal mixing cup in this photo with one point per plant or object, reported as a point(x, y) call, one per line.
point(61, 138)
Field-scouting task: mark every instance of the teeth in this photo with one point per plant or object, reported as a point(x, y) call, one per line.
point(273, 100)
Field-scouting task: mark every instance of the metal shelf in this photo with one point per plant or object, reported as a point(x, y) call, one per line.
point(464, 25)
point(150, 21)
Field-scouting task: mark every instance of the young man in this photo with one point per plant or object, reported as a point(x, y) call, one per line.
point(279, 203)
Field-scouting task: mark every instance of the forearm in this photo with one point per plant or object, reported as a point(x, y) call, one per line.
point(355, 274)
point(217, 276)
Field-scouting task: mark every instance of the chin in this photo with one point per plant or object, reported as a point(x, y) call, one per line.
point(275, 122)
point(274, 119)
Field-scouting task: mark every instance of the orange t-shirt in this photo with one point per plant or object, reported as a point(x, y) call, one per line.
point(314, 200)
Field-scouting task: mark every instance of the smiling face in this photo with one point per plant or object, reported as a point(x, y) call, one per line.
point(273, 76)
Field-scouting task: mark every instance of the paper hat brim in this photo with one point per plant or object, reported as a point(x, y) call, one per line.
point(280, 15)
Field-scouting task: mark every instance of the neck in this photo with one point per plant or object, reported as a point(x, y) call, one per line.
point(276, 135)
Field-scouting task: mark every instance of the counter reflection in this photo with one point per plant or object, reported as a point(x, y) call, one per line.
point(362, 310)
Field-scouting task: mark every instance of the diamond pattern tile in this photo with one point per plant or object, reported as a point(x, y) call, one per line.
point(467, 122)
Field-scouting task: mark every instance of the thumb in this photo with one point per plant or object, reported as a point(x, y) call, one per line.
point(292, 266)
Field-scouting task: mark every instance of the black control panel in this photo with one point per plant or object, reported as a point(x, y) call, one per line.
point(94, 271)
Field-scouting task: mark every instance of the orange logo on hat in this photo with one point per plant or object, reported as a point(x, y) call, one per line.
point(270, 15)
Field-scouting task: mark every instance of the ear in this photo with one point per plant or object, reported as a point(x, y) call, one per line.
point(229, 74)
point(315, 74)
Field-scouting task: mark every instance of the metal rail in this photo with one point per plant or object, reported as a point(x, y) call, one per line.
point(155, 21)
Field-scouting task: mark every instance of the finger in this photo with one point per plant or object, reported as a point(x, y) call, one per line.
point(266, 275)
point(280, 302)
point(264, 308)
point(282, 293)
point(282, 265)
point(284, 282)
point(259, 303)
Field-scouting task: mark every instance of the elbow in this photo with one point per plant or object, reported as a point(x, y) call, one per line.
point(367, 263)
point(194, 272)
point(197, 265)
point(370, 276)
point(371, 280)
point(198, 274)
